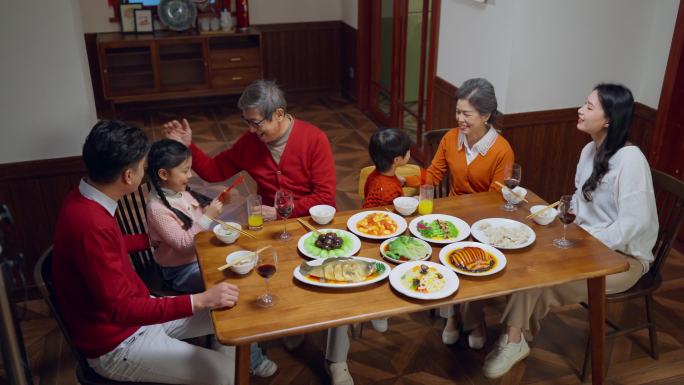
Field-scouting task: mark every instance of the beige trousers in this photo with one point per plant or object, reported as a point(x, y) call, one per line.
point(526, 309)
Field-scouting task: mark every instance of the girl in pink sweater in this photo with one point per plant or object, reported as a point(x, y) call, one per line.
point(174, 215)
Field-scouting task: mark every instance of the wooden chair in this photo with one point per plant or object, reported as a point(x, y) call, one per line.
point(85, 375)
point(669, 194)
point(406, 170)
point(432, 138)
point(132, 218)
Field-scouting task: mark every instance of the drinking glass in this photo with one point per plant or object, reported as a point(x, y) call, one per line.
point(512, 174)
point(255, 217)
point(267, 264)
point(284, 204)
point(426, 195)
point(567, 210)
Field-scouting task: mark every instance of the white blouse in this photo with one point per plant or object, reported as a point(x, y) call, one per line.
point(622, 213)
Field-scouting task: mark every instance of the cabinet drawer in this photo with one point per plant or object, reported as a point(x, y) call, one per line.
point(238, 77)
point(234, 58)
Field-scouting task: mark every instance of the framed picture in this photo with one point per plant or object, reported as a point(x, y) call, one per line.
point(128, 16)
point(143, 21)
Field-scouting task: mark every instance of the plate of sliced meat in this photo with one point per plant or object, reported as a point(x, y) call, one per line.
point(472, 258)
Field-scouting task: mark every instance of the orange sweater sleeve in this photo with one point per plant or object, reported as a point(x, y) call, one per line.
point(499, 167)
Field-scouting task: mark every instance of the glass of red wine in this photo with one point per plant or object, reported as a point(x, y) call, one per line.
point(512, 175)
point(567, 211)
point(267, 264)
point(284, 204)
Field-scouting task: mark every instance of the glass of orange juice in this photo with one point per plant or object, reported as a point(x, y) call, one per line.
point(427, 194)
point(255, 218)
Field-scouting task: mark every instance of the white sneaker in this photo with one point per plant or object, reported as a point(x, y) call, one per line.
point(339, 373)
point(505, 354)
point(265, 369)
point(476, 342)
point(380, 325)
point(450, 337)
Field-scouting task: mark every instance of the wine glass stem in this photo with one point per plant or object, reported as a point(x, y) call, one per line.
point(565, 226)
point(267, 295)
point(285, 226)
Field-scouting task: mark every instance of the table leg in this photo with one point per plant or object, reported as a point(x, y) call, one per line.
point(597, 325)
point(242, 364)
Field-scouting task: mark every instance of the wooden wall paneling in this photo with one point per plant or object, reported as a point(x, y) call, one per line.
point(443, 105)
point(547, 146)
point(302, 56)
point(34, 192)
point(348, 70)
point(94, 66)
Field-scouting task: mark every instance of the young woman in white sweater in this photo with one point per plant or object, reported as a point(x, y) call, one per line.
point(615, 203)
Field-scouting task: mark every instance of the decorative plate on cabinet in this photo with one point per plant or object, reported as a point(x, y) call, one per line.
point(178, 15)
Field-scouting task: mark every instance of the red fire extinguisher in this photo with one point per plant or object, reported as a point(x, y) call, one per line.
point(242, 15)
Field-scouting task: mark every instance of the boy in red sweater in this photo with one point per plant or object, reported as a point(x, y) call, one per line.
point(126, 334)
point(388, 148)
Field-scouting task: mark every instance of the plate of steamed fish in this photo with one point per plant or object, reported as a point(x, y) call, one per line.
point(342, 272)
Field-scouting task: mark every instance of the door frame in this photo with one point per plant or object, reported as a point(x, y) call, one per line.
point(663, 154)
point(364, 57)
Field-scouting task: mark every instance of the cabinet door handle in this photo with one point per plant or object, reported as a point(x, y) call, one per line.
point(236, 78)
point(234, 59)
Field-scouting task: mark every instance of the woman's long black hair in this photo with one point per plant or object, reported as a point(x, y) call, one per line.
point(167, 154)
point(618, 105)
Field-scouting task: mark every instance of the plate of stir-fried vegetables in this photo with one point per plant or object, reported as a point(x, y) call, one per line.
point(439, 228)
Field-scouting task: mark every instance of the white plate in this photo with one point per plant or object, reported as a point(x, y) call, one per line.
point(354, 219)
point(461, 225)
point(356, 242)
point(502, 222)
point(300, 277)
point(386, 242)
point(498, 255)
point(450, 287)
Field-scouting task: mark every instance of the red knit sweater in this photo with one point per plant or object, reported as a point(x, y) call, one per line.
point(306, 167)
point(381, 190)
point(99, 295)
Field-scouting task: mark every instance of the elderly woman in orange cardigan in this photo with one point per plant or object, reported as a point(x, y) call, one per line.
point(475, 156)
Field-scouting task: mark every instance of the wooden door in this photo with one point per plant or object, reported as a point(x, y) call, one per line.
point(402, 37)
point(667, 147)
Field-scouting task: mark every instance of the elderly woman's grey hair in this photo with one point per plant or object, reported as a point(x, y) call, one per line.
point(480, 94)
point(263, 95)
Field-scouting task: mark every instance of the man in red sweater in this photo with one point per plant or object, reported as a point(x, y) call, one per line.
point(126, 334)
point(278, 152)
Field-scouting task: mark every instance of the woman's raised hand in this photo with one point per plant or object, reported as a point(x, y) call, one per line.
point(178, 131)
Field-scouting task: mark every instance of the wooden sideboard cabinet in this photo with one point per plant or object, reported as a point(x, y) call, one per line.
point(136, 68)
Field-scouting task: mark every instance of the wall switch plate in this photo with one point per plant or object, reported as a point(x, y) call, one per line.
point(351, 72)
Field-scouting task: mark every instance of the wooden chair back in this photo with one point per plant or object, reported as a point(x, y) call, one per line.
point(432, 139)
point(669, 195)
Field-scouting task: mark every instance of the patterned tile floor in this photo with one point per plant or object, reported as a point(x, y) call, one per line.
point(411, 351)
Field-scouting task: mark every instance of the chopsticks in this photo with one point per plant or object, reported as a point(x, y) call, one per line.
point(522, 198)
point(308, 226)
point(228, 225)
point(235, 183)
point(239, 261)
point(552, 205)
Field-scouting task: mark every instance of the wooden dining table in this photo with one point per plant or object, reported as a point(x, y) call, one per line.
point(303, 308)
